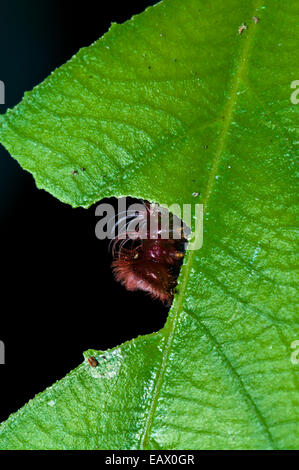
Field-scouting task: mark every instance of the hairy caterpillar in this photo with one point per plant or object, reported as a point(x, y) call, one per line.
point(148, 260)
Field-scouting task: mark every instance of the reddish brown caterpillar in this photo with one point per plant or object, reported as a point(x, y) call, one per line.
point(150, 263)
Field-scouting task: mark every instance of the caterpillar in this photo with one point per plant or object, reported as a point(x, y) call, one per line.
point(146, 260)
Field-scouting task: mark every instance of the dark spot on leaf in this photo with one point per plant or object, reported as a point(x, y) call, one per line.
point(92, 361)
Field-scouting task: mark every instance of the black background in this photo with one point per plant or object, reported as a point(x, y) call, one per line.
point(58, 295)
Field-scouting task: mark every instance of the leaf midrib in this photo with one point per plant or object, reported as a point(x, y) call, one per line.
point(170, 326)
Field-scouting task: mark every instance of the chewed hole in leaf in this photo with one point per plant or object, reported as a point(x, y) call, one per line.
point(148, 245)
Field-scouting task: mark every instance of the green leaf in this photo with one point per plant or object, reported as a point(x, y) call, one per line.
point(176, 101)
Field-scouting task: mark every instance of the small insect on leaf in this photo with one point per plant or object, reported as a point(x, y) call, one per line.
point(92, 361)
